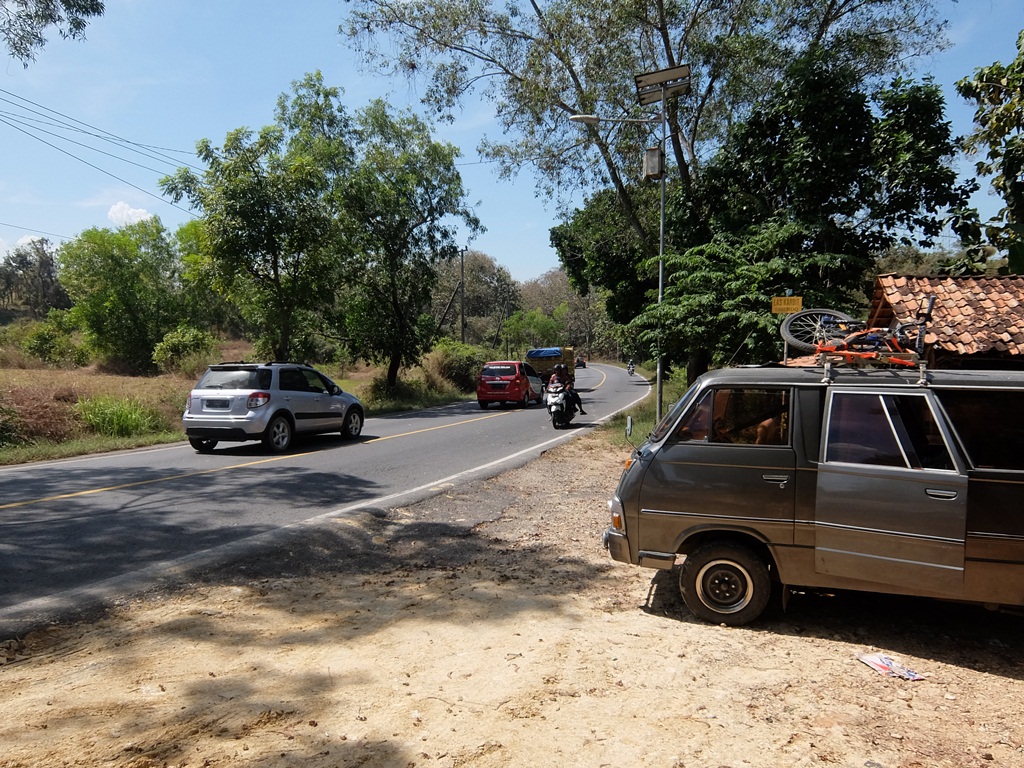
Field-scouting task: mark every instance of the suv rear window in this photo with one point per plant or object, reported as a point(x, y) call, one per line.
point(235, 378)
point(499, 370)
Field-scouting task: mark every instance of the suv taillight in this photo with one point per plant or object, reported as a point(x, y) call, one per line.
point(256, 399)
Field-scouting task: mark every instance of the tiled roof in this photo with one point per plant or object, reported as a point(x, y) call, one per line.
point(971, 315)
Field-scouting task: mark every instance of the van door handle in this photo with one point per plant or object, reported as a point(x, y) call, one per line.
point(936, 493)
point(780, 479)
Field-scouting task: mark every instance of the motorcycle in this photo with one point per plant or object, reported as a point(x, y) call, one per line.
point(560, 408)
point(630, 369)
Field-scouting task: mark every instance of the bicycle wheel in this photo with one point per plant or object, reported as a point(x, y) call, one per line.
point(805, 329)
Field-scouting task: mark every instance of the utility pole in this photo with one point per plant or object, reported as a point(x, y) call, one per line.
point(462, 283)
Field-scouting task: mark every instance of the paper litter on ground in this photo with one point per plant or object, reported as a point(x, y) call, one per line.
point(887, 666)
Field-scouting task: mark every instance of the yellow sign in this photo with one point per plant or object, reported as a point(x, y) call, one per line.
point(784, 305)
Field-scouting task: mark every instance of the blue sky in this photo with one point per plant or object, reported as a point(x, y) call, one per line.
point(165, 74)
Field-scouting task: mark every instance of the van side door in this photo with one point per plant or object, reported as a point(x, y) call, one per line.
point(891, 501)
point(728, 464)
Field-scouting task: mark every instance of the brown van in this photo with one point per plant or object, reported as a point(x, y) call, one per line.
point(906, 482)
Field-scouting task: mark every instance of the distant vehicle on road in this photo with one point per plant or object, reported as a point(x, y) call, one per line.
point(544, 359)
point(271, 402)
point(508, 381)
point(580, 362)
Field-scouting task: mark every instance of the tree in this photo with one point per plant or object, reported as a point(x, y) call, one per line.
point(800, 199)
point(400, 202)
point(271, 219)
point(543, 62)
point(204, 305)
point(123, 284)
point(598, 248)
point(22, 23)
point(491, 296)
point(30, 273)
point(998, 92)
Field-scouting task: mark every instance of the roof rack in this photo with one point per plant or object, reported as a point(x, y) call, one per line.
point(829, 361)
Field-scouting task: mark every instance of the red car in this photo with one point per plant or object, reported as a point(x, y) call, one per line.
point(508, 381)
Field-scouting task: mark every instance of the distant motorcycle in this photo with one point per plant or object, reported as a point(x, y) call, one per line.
point(630, 369)
point(560, 408)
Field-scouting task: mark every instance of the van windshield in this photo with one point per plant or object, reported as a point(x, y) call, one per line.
point(670, 418)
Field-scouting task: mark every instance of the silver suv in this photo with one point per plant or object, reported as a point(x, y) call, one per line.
point(271, 402)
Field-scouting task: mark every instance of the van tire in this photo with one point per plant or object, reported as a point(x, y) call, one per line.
point(725, 583)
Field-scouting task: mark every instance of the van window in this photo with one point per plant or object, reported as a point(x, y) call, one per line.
point(741, 416)
point(885, 430)
point(989, 423)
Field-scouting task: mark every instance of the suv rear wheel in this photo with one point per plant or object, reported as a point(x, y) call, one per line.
point(202, 445)
point(278, 436)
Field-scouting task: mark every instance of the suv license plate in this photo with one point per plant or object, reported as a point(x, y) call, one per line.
point(216, 403)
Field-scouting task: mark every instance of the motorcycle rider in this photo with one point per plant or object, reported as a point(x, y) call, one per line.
point(561, 376)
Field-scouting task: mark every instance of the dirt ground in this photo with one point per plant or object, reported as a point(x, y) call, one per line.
point(487, 627)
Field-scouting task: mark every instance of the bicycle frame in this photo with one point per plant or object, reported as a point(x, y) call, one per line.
point(880, 346)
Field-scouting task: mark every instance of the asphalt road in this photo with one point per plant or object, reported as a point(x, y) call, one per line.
point(95, 528)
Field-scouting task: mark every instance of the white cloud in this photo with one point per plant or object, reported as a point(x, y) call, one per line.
point(121, 214)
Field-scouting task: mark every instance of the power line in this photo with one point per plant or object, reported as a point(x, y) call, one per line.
point(37, 231)
point(30, 122)
point(101, 170)
point(103, 134)
point(72, 141)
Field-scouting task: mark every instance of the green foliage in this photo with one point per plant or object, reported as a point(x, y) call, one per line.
point(28, 276)
point(112, 417)
point(22, 23)
point(182, 348)
point(271, 234)
point(599, 248)
point(799, 200)
point(491, 295)
point(53, 343)
point(399, 202)
point(381, 395)
point(124, 286)
point(10, 434)
point(998, 93)
point(540, 63)
point(452, 364)
point(534, 328)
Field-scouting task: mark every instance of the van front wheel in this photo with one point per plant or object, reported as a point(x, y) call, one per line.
point(725, 583)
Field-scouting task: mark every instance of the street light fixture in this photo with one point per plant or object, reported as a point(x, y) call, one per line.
point(653, 87)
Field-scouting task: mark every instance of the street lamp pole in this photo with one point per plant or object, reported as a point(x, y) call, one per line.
point(652, 87)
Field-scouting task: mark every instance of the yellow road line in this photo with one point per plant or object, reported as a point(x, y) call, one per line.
point(137, 483)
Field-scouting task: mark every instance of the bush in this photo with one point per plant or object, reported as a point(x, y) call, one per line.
point(184, 350)
point(54, 346)
point(111, 417)
point(28, 415)
point(9, 432)
point(452, 363)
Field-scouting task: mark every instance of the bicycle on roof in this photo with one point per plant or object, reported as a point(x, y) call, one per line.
point(837, 337)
